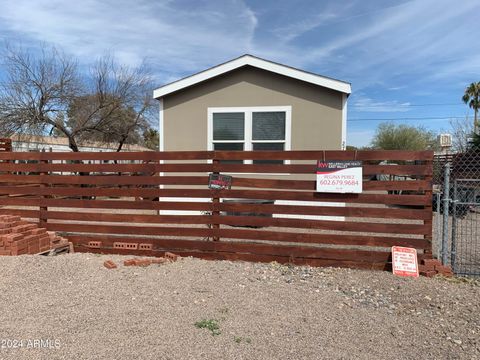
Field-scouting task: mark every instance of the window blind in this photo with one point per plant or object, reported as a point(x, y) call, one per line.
point(228, 126)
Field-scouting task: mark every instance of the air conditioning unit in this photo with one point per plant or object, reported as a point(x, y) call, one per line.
point(445, 140)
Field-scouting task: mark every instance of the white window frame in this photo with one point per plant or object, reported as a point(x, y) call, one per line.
point(247, 141)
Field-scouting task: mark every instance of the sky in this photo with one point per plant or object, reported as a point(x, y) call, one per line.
point(406, 60)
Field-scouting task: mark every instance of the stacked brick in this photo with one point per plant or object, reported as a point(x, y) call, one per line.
point(169, 257)
point(19, 237)
point(433, 267)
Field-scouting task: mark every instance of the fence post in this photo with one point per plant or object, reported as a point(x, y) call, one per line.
point(215, 202)
point(446, 212)
point(43, 217)
point(453, 245)
point(429, 221)
point(438, 224)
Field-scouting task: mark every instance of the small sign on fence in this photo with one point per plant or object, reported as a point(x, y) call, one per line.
point(404, 261)
point(219, 181)
point(339, 176)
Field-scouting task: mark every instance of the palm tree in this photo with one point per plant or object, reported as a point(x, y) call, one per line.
point(471, 97)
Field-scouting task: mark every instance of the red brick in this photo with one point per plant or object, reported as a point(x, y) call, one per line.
point(426, 268)
point(37, 231)
point(131, 246)
point(23, 228)
point(431, 262)
point(129, 262)
point(109, 264)
point(5, 252)
point(19, 245)
point(442, 268)
point(33, 247)
point(94, 244)
point(63, 240)
point(4, 225)
point(119, 245)
point(142, 262)
point(160, 260)
point(145, 246)
point(13, 237)
point(21, 242)
point(170, 256)
point(31, 238)
point(428, 273)
point(45, 242)
point(20, 251)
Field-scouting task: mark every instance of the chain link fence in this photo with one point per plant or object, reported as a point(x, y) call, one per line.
point(456, 207)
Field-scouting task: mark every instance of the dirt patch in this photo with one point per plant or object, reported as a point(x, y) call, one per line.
point(195, 309)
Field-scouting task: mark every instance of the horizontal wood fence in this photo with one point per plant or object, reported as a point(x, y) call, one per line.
point(5, 144)
point(145, 203)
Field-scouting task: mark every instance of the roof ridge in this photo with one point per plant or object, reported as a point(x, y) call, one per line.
point(255, 61)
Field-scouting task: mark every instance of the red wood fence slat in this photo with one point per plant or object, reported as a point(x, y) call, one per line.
point(113, 197)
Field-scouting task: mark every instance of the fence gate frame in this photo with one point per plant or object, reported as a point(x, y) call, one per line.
point(457, 219)
point(459, 209)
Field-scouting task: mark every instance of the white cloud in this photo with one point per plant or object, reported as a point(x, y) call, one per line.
point(178, 39)
point(366, 44)
point(413, 38)
point(295, 29)
point(366, 104)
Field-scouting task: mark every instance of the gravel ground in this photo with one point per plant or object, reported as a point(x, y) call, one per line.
point(263, 311)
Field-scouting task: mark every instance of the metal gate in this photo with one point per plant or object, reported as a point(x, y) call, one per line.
point(456, 207)
point(465, 249)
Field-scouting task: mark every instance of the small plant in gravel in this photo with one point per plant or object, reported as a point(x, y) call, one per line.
point(239, 339)
point(223, 310)
point(210, 324)
point(459, 280)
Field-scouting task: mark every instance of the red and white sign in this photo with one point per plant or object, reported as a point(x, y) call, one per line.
point(404, 261)
point(339, 176)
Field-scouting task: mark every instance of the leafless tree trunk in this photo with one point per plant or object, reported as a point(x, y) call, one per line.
point(462, 130)
point(46, 93)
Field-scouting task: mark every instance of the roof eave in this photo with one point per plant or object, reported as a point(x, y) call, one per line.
point(245, 60)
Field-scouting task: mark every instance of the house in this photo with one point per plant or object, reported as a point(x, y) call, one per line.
point(54, 143)
point(250, 103)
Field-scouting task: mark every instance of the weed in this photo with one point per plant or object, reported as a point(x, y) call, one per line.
point(210, 324)
point(459, 280)
point(239, 339)
point(223, 310)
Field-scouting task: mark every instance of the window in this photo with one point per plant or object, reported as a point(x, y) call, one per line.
point(256, 128)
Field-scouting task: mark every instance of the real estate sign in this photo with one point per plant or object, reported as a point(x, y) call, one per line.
point(404, 261)
point(219, 181)
point(339, 176)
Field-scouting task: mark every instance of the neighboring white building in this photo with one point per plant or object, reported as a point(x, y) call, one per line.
point(58, 144)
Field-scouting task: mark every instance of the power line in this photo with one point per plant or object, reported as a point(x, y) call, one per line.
point(366, 106)
point(409, 118)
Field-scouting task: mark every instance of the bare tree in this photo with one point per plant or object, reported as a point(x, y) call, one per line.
point(36, 91)
point(462, 131)
point(46, 93)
